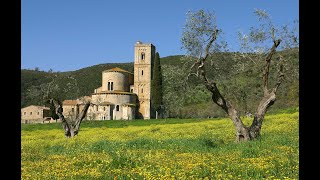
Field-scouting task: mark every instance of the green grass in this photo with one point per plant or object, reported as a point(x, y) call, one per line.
point(162, 149)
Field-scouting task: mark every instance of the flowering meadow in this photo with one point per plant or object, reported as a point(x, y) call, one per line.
point(162, 149)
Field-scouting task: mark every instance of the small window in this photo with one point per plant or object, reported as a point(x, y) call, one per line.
point(142, 56)
point(72, 110)
point(109, 86)
point(38, 113)
point(141, 90)
point(96, 108)
point(117, 108)
point(142, 72)
point(24, 113)
point(104, 108)
point(30, 113)
point(131, 90)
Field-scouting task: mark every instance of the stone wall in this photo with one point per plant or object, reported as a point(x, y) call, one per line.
point(120, 81)
point(115, 99)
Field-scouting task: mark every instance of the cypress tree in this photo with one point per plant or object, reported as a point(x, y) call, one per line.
point(156, 84)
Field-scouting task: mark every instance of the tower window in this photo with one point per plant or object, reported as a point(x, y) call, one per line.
point(142, 56)
point(142, 72)
point(110, 86)
point(24, 113)
point(131, 90)
point(117, 108)
point(38, 113)
point(104, 108)
point(30, 113)
point(141, 90)
point(72, 109)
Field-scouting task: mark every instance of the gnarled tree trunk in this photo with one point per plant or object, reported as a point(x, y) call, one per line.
point(71, 128)
point(243, 133)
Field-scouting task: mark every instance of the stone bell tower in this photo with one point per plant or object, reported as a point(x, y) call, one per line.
point(144, 55)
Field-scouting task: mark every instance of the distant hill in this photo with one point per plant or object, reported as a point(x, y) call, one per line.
point(88, 78)
point(188, 101)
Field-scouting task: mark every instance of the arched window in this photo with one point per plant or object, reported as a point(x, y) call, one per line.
point(117, 108)
point(110, 86)
point(142, 72)
point(104, 108)
point(141, 90)
point(142, 56)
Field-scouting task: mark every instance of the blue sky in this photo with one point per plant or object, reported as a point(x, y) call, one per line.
point(67, 35)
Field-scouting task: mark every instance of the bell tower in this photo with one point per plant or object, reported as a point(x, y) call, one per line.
point(144, 55)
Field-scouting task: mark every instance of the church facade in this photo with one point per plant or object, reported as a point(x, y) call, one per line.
point(123, 95)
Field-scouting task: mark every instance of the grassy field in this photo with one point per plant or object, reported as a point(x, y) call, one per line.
point(162, 149)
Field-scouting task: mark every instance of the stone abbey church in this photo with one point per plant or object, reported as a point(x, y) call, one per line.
point(122, 95)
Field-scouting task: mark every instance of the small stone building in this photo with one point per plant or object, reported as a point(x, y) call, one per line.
point(35, 114)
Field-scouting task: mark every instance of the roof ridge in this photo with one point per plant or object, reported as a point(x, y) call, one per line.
point(117, 69)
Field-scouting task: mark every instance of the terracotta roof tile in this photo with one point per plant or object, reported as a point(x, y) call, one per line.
point(105, 103)
point(69, 102)
point(116, 69)
point(40, 107)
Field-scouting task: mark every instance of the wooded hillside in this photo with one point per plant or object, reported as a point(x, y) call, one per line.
point(181, 99)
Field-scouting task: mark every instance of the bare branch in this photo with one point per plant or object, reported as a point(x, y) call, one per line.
point(268, 98)
point(213, 38)
point(200, 54)
point(47, 95)
point(81, 117)
point(67, 126)
point(272, 35)
point(280, 75)
point(267, 65)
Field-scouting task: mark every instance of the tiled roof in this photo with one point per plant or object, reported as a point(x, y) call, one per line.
point(106, 103)
point(116, 69)
point(115, 92)
point(69, 102)
point(40, 107)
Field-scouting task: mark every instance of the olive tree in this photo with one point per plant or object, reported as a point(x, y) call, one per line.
point(202, 38)
point(70, 126)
